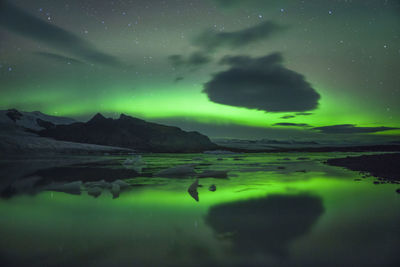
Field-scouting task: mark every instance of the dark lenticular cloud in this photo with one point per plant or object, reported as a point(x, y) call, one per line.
point(261, 83)
point(211, 40)
point(351, 129)
point(18, 21)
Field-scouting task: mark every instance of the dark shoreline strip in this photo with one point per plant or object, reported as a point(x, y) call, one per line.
point(384, 166)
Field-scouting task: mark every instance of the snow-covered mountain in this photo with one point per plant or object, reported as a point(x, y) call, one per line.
point(31, 120)
point(17, 139)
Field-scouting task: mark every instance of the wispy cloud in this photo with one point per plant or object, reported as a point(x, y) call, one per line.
point(292, 124)
point(21, 22)
point(288, 117)
point(59, 58)
point(351, 129)
point(211, 40)
point(194, 60)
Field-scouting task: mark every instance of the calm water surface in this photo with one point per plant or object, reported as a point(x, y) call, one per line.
point(274, 210)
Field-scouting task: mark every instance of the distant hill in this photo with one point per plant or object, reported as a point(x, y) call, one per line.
point(263, 144)
point(130, 132)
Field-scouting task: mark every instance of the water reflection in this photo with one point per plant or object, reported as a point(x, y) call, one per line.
point(259, 216)
point(265, 225)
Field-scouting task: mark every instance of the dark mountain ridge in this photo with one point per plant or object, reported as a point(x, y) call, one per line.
point(130, 132)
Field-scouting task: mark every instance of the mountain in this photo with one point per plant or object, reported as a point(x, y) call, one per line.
point(18, 138)
point(130, 132)
point(31, 120)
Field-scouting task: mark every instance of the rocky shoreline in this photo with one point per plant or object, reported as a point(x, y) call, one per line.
point(385, 167)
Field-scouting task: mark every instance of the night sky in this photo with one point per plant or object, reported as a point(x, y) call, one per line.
point(287, 69)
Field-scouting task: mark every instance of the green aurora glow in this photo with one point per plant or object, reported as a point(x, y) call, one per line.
point(348, 52)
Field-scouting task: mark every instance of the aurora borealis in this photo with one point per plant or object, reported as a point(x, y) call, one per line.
point(250, 69)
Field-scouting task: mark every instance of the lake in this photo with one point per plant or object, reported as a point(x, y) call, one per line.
point(274, 209)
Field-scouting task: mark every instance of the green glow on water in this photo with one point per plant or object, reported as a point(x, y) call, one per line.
point(161, 219)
